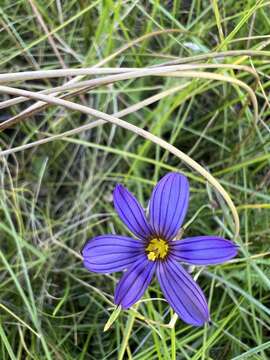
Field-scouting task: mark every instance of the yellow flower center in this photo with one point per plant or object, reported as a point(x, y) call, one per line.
point(157, 249)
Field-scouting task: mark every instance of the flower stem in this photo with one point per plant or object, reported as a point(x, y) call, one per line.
point(127, 332)
point(173, 348)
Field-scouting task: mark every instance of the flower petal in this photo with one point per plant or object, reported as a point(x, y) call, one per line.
point(168, 205)
point(131, 212)
point(134, 282)
point(182, 293)
point(203, 250)
point(109, 253)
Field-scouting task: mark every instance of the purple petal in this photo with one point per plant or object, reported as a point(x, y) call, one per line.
point(182, 293)
point(134, 282)
point(168, 205)
point(109, 253)
point(203, 250)
point(131, 212)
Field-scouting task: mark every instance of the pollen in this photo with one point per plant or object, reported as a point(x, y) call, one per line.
point(157, 249)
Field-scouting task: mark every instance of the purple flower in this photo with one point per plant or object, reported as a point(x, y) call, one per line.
point(156, 251)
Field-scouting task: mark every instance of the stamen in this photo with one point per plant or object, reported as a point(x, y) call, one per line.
point(157, 249)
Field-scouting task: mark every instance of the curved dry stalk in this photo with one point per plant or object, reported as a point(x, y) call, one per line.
point(164, 71)
point(101, 81)
point(141, 132)
point(39, 106)
point(56, 73)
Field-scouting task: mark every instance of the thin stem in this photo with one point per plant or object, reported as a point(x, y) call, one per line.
point(127, 332)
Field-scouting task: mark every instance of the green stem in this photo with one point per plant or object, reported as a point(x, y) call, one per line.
point(173, 348)
point(127, 332)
